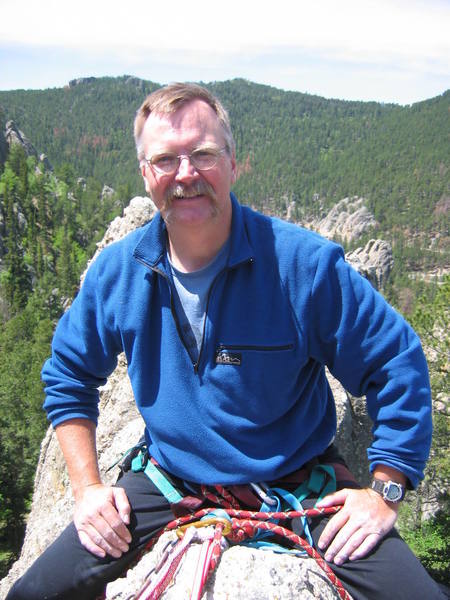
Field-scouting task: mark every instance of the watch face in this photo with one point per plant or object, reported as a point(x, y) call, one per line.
point(393, 492)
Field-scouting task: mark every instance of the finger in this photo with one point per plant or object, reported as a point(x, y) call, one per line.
point(122, 505)
point(332, 527)
point(355, 541)
point(115, 522)
point(335, 499)
point(90, 545)
point(93, 541)
point(341, 539)
point(365, 547)
point(105, 528)
point(112, 528)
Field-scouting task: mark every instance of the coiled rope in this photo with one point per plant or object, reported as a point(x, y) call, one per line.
point(237, 526)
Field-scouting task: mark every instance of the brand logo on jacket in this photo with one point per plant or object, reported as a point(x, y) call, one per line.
point(228, 358)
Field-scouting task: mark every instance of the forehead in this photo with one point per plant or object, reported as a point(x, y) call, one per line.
point(193, 123)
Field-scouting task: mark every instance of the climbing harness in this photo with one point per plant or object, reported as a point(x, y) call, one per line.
point(216, 528)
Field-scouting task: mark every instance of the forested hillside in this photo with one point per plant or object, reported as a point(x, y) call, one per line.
point(48, 228)
point(294, 150)
point(291, 147)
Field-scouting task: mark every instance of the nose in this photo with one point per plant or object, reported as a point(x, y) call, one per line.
point(186, 169)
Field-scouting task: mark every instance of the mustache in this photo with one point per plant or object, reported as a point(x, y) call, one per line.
point(181, 190)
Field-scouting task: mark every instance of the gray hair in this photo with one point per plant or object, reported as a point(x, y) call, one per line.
point(169, 99)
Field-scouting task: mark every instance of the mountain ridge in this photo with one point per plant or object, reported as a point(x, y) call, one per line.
point(297, 154)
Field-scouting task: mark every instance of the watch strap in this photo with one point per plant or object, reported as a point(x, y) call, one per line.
point(389, 490)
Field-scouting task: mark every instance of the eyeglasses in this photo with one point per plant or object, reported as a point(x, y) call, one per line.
point(201, 160)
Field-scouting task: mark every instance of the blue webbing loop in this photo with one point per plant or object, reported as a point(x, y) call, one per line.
point(315, 483)
point(219, 513)
point(161, 482)
point(271, 507)
point(262, 545)
point(295, 503)
point(260, 534)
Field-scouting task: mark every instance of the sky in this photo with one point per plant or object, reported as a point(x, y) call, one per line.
point(383, 50)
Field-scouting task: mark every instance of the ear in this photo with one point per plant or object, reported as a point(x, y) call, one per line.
point(143, 168)
point(233, 168)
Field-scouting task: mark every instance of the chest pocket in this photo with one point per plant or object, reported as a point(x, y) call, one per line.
point(256, 381)
point(232, 354)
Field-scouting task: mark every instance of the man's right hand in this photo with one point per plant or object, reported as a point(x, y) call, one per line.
point(101, 516)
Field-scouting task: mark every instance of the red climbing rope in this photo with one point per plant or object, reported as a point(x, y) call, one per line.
point(242, 525)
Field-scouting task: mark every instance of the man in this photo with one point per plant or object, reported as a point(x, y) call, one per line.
point(228, 319)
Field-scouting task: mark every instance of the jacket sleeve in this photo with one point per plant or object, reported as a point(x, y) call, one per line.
point(84, 350)
point(373, 351)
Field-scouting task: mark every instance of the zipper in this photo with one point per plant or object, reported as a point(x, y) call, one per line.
point(226, 268)
point(177, 324)
point(196, 365)
point(222, 347)
point(172, 305)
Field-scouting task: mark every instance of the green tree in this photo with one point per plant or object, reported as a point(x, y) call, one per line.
point(430, 539)
point(15, 281)
point(24, 344)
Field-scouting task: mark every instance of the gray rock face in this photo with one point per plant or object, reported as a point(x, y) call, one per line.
point(107, 192)
point(374, 261)
point(13, 135)
point(81, 81)
point(347, 220)
point(3, 147)
point(140, 210)
point(242, 573)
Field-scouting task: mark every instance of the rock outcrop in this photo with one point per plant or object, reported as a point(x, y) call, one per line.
point(242, 572)
point(80, 81)
point(3, 147)
point(107, 192)
point(346, 221)
point(374, 261)
point(140, 210)
point(13, 135)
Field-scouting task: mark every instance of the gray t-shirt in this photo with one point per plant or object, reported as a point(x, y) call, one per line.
point(191, 295)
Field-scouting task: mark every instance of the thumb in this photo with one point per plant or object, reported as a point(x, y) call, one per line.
point(336, 499)
point(122, 504)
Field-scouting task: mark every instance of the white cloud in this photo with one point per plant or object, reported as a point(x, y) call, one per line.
point(360, 29)
point(407, 37)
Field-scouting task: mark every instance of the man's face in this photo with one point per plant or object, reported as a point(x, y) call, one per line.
point(189, 197)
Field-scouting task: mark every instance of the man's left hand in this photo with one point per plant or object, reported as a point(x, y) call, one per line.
point(364, 519)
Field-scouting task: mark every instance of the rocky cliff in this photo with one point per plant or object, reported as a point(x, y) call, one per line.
point(347, 220)
point(242, 572)
point(13, 135)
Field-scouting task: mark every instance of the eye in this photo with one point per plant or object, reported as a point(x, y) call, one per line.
point(204, 159)
point(203, 153)
point(164, 160)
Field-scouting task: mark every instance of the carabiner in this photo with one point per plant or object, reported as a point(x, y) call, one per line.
point(258, 488)
point(205, 523)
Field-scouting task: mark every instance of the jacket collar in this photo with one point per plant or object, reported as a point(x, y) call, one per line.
point(151, 248)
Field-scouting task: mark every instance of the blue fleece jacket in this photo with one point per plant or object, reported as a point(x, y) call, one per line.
point(257, 404)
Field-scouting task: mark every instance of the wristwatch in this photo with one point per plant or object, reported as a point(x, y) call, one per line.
point(390, 490)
